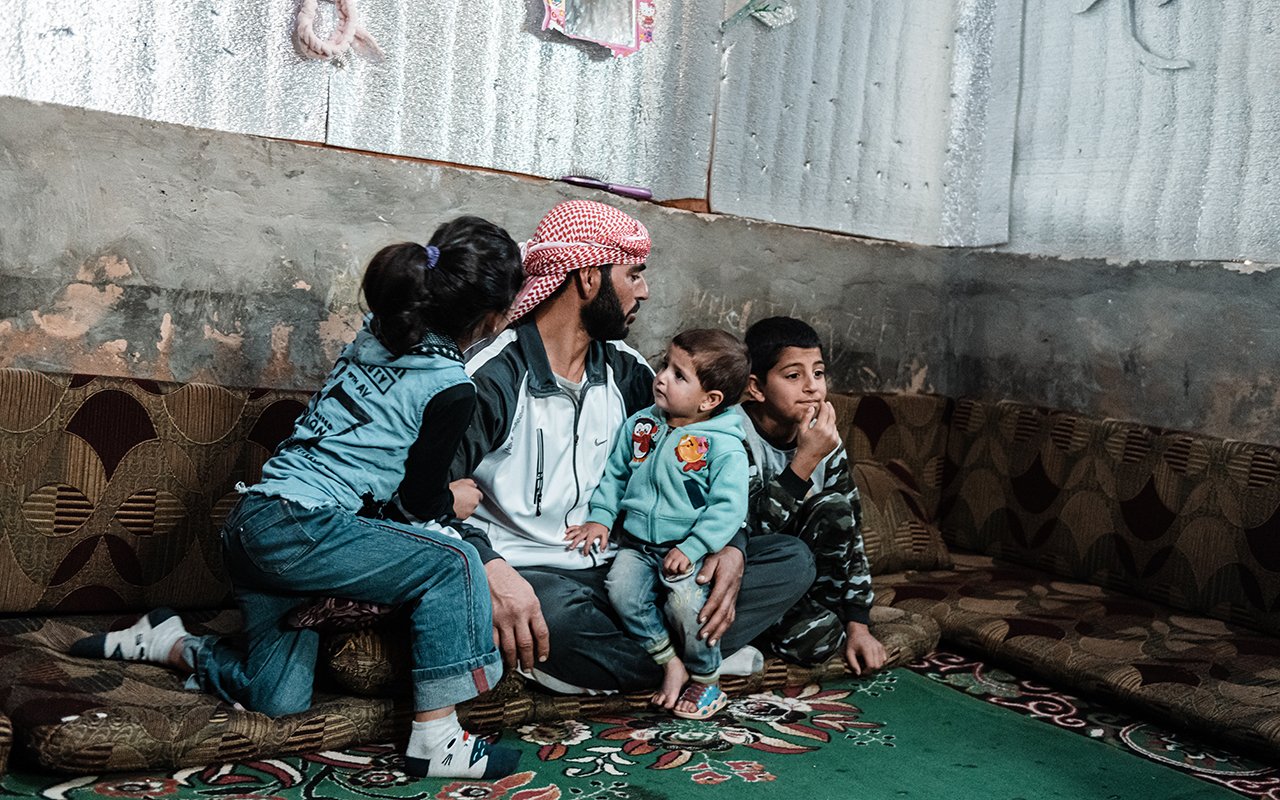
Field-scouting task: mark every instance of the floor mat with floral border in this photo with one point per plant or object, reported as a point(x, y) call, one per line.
point(904, 733)
point(1242, 775)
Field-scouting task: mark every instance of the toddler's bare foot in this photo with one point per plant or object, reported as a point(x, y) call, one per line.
point(673, 680)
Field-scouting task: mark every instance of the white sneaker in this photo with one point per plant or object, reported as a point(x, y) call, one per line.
point(151, 638)
point(558, 686)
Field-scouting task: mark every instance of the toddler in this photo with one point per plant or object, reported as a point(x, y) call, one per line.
point(678, 479)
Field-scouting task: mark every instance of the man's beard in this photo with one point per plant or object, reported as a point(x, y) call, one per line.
point(603, 318)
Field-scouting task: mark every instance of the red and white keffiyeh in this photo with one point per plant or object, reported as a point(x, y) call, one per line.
point(576, 234)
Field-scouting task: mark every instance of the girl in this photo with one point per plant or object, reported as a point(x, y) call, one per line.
point(391, 412)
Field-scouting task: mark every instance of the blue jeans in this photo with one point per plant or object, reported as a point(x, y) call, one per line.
point(279, 554)
point(634, 584)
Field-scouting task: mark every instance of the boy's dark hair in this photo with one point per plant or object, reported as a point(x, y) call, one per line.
point(478, 272)
point(769, 337)
point(720, 360)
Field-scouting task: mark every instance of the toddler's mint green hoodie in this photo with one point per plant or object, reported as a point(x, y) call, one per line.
point(683, 486)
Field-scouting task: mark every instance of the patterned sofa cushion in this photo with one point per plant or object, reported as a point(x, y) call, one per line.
point(908, 428)
point(87, 716)
point(6, 742)
point(111, 489)
point(1217, 679)
point(896, 532)
point(373, 661)
point(1182, 519)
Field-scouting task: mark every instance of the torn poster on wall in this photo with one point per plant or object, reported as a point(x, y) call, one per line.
point(620, 25)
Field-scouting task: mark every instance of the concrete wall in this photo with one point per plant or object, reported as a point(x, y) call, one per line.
point(139, 248)
point(1182, 345)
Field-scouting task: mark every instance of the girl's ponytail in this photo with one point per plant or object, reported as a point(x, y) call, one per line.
point(470, 269)
point(394, 285)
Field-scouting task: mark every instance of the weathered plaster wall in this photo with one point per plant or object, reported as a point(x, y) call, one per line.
point(138, 248)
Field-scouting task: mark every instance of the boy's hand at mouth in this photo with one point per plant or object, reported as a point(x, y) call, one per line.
point(817, 438)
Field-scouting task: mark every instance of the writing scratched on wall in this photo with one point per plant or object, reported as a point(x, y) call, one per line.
point(866, 347)
point(851, 326)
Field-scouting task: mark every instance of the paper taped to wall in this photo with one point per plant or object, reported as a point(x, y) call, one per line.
point(620, 25)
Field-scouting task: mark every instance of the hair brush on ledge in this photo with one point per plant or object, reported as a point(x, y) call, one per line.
point(634, 192)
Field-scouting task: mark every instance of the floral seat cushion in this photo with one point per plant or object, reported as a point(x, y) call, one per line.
point(1217, 678)
point(80, 715)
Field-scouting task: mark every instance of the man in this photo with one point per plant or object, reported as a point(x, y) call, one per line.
point(553, 391)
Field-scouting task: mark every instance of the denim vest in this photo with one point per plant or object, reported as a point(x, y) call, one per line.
point(349, 447)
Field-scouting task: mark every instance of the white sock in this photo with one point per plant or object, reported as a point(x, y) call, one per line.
point(746, 661)
point(440, 748)
point(151, 638)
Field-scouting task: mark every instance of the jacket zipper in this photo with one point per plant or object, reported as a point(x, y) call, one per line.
point(577, 403)
point(537, 482)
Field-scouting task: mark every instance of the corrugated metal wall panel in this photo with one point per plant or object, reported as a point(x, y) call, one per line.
point(985, 74)
point(852, 118)
point(222, 65)
point(845, 120)
point(478, 83)
point(1127, 162)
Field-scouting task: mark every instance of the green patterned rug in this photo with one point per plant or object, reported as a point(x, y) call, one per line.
point(896, 735)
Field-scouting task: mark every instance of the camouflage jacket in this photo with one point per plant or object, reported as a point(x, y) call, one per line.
point(827, 517)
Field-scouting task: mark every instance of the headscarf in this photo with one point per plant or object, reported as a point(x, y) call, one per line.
point(576, 234)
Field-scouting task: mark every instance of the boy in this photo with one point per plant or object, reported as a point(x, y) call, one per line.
point(679, 474)
point(801, 484)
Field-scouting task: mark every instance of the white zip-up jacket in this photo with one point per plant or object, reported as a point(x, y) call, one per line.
point(535, 452)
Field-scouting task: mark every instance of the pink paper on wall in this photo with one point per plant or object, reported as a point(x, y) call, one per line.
point(620, 25)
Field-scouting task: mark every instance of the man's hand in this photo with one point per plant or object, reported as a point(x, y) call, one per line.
point(675, 563)
point(817, 438)
point(587, 536)
point(862, 651)
point(723, 570)
point(519, 630)
point(466, 496)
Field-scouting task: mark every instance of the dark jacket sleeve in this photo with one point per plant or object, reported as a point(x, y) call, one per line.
point(497, 389)
point(424, 491)
point(497, 386)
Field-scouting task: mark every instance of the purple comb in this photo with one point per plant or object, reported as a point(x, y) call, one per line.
point(635, 192)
